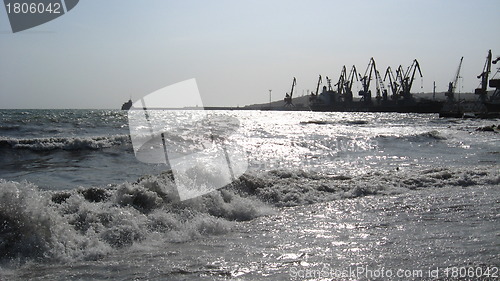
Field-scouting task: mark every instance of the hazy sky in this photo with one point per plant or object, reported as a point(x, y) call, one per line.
point(103, 52)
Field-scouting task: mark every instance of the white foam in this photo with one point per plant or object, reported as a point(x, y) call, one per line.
point(89, 223)
point(66, 143)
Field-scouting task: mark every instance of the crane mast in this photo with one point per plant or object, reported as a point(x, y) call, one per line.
point(450, 94)
point(484, 78)
point(288, 97)
point(380, 88)
point(314, 95)
point(340, 83)
point(365, 81)
point(319, 83)
point(392, 82)
point(399, 77)
point(495, 83)
point(407, 81)
point(347, 97)
point(329, 83)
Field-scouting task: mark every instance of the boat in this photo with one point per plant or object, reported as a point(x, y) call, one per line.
point(127, 105)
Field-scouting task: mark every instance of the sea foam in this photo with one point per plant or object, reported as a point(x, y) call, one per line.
point(91, 222)
point(65, 143)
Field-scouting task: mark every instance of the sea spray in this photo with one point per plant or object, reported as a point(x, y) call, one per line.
point(64, 143)
point(89, 223)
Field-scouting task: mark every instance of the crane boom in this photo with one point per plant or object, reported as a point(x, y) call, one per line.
point(407, 81)
point(365, 81)
point(414, 66)
point(380, 87)
point(392, 82)
point(353, 74)
point(455, 82)
point(340, 83)
point(346, 84)
point(484, 78)
point(329, 83)
point(293, 86)
point(319, 82)
point(288, 97)
point(450, 94)
point(400, 75)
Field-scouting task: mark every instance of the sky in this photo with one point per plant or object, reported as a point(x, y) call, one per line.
point(101, 53)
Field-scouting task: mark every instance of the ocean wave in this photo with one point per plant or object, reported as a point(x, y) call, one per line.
point(420, 137)
point(317, 122)
point(89, 223)
point(344, 122)
point(10, 127)
point(65, 143)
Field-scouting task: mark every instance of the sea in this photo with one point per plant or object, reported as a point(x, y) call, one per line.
point(324, 196)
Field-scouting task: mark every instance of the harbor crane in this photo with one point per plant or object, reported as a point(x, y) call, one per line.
point(366, 94)
point(495, 83)
point(320, 80)
point(347, 95)
point(450, 94)
point(380, 88)
point(392, 83)
point(484, 79)
point(288, 97)
point(344, 85)
point(340, 83)
point(314, 95)
point(329, 83)
point(407, 80)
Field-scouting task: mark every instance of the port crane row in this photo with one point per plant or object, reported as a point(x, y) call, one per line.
point(399, 84)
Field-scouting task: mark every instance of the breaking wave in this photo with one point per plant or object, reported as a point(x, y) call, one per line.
point(90, 223)
point(10, 127)
point(65, 143)
point(344, 122)
point(420, 137)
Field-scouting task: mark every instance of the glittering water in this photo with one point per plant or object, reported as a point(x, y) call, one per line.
point(327, 196)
